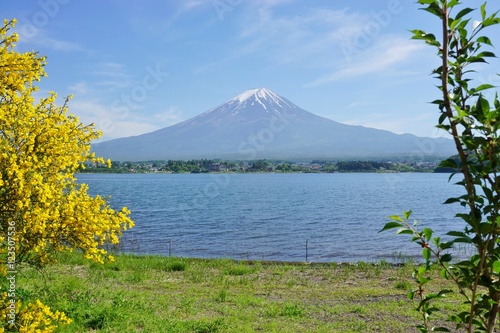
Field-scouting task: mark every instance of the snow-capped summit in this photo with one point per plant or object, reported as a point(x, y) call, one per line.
point(251, 92)
point(262, 96)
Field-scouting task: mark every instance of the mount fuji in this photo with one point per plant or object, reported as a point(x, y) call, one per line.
point(261, 124)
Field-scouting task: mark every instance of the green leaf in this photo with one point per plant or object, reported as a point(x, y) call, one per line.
point(496, 267)
point(463, 12)
point(461, 28)
point(418, 34)
point(434, 9)
point(465, 217)
point(463, 240)
point(443, 292)
point(440, 329)
point(461, 113)
point(456, 234)
point(396, 218)
point(437, 101)
point(421, 270)
point(484, 40)
point(405, 231)
point(485, 228)
point(426, 253)
point(483, 106)
point(428, 38)
point(427, 232)
point(483, 87)
point(486, 54)
point(446, 245)
point(449, 163)
point(391, 225)
point(446, 257)
point(488, 193)
point(477, 323)
point(490, 21)
point(407, 214)
point(476, 60)
point(483, 11)
point(453, 3)
point(422, 329)
point(442, 118)
point(422, 279)
point(451, 200)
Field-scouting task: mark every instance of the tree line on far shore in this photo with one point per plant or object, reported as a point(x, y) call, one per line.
point(261, 165)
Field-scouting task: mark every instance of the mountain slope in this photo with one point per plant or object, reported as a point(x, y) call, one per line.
point(261, 124)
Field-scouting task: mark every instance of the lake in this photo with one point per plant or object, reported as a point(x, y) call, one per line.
point(272, 216)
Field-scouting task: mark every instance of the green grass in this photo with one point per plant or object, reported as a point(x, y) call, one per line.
point(162, 294)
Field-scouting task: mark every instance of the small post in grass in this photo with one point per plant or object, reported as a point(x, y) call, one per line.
point(307, 250)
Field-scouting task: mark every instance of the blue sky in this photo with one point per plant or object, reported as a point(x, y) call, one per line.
point(137, 66)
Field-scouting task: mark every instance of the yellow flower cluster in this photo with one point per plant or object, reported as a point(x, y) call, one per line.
point(32, 318)
point(41, 147)
point(43, 210)
point(17, 69)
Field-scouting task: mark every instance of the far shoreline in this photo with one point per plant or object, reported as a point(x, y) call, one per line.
point(267, 166)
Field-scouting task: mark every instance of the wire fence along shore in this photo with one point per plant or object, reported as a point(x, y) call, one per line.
point(307, 252)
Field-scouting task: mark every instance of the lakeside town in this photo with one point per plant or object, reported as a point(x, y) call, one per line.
point(262, 165)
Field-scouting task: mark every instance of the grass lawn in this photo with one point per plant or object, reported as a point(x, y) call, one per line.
point(163, 294)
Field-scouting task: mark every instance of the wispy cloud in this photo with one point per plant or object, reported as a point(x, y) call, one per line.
point(110, 69)
point(41, 39)
point(168, 117)
point(269, 3)
point(80, 88)
point(59, 45)
point(299, 37)
point(112, 124)
point(115, 122)
point(103, 80)
point(401, 124)
point(188, 5)
point(385, 56)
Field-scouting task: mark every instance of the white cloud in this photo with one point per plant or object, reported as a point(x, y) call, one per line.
point(309, 39)
point(113, 124)
point(296, 38)
point(384, 56)
point(120, 122)
point(109, 79)
point(110, 69)
point(422, 124)
point(168, 117)
point(59, 45)
point(269, 3)
point(188, 5)
point(79, 88)
point(316, 38)
point(112, 75)
point(38, 37)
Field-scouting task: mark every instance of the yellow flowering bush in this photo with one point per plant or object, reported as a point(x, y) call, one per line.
point(33, 318)
point(43, 210)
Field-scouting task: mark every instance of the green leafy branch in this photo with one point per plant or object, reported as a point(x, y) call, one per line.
point(474, 125)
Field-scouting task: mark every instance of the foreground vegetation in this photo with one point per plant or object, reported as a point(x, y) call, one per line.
point(469, 112)
point(164, 294)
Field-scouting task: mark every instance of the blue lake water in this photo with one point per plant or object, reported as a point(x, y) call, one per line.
point(271, 216)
